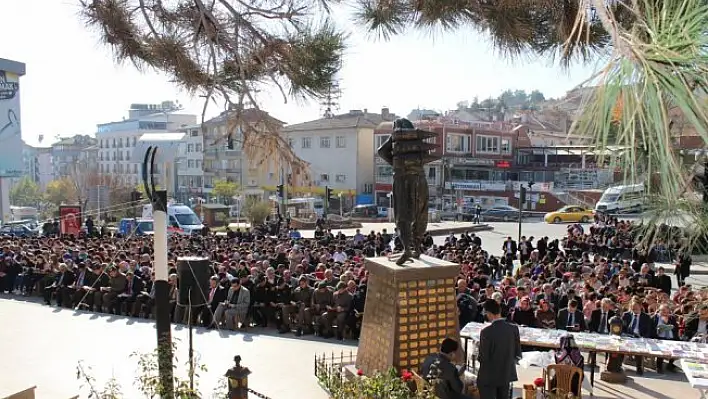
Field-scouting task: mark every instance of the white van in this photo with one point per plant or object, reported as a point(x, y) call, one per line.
point(622, 199)
point(180, 219)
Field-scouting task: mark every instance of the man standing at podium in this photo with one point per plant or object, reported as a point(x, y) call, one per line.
point(499, 350)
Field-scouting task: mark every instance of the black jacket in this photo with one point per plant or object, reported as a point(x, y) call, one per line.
point(499, 349)
point(645, 325)
point(596, 317)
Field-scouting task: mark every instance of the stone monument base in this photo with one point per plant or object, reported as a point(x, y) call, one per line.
point(613, 377)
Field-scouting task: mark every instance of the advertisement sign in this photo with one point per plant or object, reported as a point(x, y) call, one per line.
point(10, 133)
point(70, 219)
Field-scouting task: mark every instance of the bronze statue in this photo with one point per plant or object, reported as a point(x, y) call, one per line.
point(407, 152)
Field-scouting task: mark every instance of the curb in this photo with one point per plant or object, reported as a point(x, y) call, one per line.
point(437, 232)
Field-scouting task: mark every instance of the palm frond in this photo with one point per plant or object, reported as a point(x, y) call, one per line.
point(659, 62)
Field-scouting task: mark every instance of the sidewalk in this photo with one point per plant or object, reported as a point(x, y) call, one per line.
point(435, 229)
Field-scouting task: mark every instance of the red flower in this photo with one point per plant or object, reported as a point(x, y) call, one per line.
point(406, 375)
point(538, 382)
point(360, 372)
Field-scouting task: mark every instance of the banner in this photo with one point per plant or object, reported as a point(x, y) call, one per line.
point(10, 133)
point(70, 219)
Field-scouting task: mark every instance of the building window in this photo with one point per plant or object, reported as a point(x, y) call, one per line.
point(198, 148)
point(190, 163)
point(324, 142)
point(459, 143)
point(291, 143)
point(135, 168)
point(368, 188)
point(190, 148)
point(324, 178)
point(384, 171)
point(341, 142)
point(307, 142)
point(431, 173)
point(135, 141)
point(506, 146)
point(127, 155)
point(487, 144)
point(341, 178)
point(380, 139)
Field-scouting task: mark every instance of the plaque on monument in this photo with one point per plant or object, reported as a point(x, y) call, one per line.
point(409, 310)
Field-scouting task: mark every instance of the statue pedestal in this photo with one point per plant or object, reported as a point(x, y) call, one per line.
point(409, 310)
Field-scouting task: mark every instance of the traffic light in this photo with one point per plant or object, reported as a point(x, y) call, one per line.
point(281, 191)
point(328, 193)
point(522, 195)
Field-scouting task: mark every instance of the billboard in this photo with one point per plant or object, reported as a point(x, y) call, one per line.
point(11, 145)
point(70, 219)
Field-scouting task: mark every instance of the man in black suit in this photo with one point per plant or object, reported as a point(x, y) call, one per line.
point(215, 296)
point(64, 279)
point(571, 318)
point(637, 324)
point(499, 350)
point(565, 299)
point(599, 318)
point(133, 287)
point(509, 248)
point(448, 384)
point(662, 281)
point(541, 247)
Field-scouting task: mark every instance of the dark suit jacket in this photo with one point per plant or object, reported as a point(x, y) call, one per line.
point(499, 349)
point(672, 321)
point(663, 283)
point(595, 318)
point(514, 247)
point(449, 386)
point(691, 326)
point(562, 319)
point(65, 279)
point(219, 296)
point(645, 325)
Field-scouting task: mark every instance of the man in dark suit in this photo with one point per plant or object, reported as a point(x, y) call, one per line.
point(509, 248)
point(215, 296)
point(637, 324)
point(565, 299)
point(64, 279)
point(499, 350)
point(448, 384)
point(599, 318)
point(662, 280)
point(571, 318)
point(133, 287)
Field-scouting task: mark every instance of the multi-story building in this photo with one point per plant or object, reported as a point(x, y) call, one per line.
point(190, 175)
point(231, 164)
point(67, 152)
point(117, 140)
point(45, 170)
point(340, 150)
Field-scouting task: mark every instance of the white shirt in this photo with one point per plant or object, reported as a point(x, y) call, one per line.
point(702, 324)
point(339, 257)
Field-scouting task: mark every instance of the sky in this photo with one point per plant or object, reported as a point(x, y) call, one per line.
point(73, 82)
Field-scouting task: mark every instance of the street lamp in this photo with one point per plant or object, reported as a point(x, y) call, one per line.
point(238, 380)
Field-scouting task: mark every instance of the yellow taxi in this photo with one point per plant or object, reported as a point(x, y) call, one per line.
point(569, 214)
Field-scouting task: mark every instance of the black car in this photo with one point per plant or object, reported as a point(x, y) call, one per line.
point(501, 212)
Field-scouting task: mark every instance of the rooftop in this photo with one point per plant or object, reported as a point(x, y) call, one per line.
point(11, 66)
point(352, 119)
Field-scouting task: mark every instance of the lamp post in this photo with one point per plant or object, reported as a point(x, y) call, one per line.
point(614, 373)
point(238, 380)
point(162, 148)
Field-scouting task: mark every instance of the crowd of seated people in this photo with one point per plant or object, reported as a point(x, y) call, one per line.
point(569, 287)
point(318, 286)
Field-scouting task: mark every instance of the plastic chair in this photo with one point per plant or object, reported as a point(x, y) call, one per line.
point(562, 385)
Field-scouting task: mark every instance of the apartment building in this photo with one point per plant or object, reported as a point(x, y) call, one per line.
point(223, 163)
point(67, 153)
point(117, 140)
point(190, 173)
point(340, 150)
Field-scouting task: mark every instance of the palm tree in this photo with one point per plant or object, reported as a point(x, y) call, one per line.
point(651, 86)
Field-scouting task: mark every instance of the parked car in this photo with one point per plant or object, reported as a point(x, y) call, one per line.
point(18, 230)
point(501, 212)
point(365, 211)
point(570, 214)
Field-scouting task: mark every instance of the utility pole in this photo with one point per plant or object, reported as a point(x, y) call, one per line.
point(522, 201)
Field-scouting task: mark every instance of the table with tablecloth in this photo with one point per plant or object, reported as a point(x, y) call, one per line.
point(593, 343)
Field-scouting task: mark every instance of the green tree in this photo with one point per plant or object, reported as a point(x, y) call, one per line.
point(61, 191)
point(225, 189)
point(25, 193)
point(256, 211)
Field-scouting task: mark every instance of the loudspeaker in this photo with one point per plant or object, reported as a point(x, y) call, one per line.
point(193, 274)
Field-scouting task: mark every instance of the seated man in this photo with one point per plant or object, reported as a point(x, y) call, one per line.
point(235, 308)
point(438, 367)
